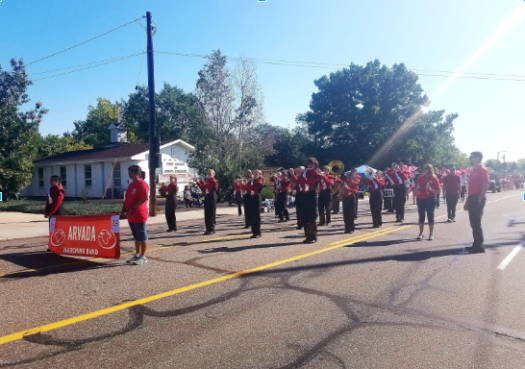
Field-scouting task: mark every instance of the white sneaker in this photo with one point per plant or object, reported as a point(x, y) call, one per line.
point(449, 221)
point(420, 237)
point(132, 259)
point(140, 260)
point(431, 237)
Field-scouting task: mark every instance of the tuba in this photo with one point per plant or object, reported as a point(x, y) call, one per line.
point(336, 187)
point(336, 167)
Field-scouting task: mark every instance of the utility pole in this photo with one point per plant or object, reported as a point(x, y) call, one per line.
point(153, 149)
point(497, 160)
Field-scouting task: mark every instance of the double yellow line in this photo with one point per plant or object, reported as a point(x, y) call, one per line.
point(106, 311)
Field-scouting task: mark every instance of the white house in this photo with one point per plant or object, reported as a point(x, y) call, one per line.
point(86, 172)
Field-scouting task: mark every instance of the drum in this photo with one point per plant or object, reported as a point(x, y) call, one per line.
point(388, 192)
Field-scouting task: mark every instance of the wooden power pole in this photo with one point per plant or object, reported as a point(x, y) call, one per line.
point(153, 149)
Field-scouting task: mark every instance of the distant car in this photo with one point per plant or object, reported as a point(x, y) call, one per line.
point(495, 183)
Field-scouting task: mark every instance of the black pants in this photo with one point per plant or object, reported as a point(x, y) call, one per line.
point(309, 214)
point(452, 202)
point(376, 202)
point(171, 218)
point(255, 213)
point(246, 202)
point(187, 202)
point(463, 191)
point(282, 197)
point(356, 205)
point(325, 205)
point(299, 208)
point(349, 212)
point(475, 213)
point(238, 200)
point(210, 205)
point(400, 199)
point(335, 203)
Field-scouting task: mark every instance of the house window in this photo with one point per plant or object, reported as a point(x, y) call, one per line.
point(116, 176)
point(87, 175)
point(63, 176)
point(40, 177)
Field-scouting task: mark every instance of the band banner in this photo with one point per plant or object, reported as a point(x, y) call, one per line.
point(85, 235)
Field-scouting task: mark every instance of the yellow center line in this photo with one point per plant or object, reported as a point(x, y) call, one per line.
point(88, 316)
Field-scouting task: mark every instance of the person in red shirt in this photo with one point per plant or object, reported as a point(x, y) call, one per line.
point(310, 178)
point(350, 189)
point(237, 188)
point(276, 179)
point(55, 197)
point(255, 188)
point(375, 184)
point(295, 174)
point(451, 192)
point(400, 190)
point(478, 184)
point(336, 202)
point(246, 199)
point(282, 197)
point(389, 183)
point(427, 187)
point(439, 176)
point(358, 180)
point(325, 197)
point(135, 208)
point(171, 204)
point(209, 188)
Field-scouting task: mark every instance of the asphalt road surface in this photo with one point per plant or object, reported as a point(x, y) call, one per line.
point(373, 299)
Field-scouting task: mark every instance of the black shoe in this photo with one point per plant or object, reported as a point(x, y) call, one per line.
point(309, 240)
point(212, 232)
point(169, 230)
point(256, 236)
point(280, 221)
point(246, 227)
point(321, 224)
point(299, 227)
point(350, 232)
point(476, 250)
point(174, 229)
point(207, 233)
point(355, 217)
point(375, 226)
point(328, 224)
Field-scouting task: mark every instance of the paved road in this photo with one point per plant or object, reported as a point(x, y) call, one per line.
point(374, 299)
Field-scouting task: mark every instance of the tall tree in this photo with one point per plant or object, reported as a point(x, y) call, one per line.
point(53, 145)
point(94, 130)
point(17, 148)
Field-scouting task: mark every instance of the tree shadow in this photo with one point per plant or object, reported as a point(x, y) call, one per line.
point(380, 243)
point(244, 248)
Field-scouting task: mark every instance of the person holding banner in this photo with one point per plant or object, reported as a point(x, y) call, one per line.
point(255, 188)
point(325, 197)
point(171, 204)
point(210, 188)
point(135, 208)
point(55, 196)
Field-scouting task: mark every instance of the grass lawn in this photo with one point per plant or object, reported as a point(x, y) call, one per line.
point(72, 208)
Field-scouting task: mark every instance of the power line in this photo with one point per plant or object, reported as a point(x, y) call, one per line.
point(84, 42)
point(306, 64)
point(141, 60)
point(93, 66)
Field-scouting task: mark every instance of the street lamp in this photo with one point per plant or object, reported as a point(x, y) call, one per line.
point(501, 152)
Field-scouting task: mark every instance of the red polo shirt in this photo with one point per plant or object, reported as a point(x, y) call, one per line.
point(452, 184)
point(285, 185)
point(421, 186)
point(477, 178)
point(350, 186)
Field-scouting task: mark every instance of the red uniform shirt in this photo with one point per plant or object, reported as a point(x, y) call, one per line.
point(285, 185)
point(310, 178)
point(137, 191)
point(398, 176)
point(237, 188)
point(298, 182)
point(452, 183)
point(54, 200)
point(350, 186)
point(390, 178)
point(477, 178)
point(421, 186)
point(209, 186)
point(375, 184)
point(326, 182)
point(254, 186)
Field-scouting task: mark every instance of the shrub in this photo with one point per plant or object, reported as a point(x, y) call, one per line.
point(266, 193)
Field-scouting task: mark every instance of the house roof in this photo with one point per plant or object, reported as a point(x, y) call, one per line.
point(120, 151)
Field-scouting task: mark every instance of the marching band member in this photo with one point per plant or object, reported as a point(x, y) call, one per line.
point(276, 178)
point(246, 199)
point(255, 187)
point(427, 187)
point(375, 182)
point(209, 188)
point(451, 190)
point(350, 189)
point(336, 190)
point(171, 204)
point(440, 179)
point(358, 180)
point(310, 178)
point(389, 183)
point(282, 198)
point(325, 197)
point(298, 188)
point(237, 188)
point(399, 178)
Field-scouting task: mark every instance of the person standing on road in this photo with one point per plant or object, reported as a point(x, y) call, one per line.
point(246, 199)
point(210, 188)
point(171, 204)
point(282, 197)
point(255, 188)
point(399, 177)
point(375, 184)
point(325, 197)
point(310, 178)
point(357, 178)
point(237, 194)
point(463, 186)
point(187, 196)
point(135, 208)
point(350, 189)
point(478, 185)
point(336, 189)
point(427, 187)
point(389, 183)
point(440, 180)
point(451, 190)
point(297, 179)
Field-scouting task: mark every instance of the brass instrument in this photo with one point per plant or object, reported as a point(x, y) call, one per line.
point(336, 167)
point(337, 186)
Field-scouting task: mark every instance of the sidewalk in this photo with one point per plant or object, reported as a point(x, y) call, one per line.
point(22, 225)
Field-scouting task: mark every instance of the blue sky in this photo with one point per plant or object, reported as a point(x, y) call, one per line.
point(422, 34)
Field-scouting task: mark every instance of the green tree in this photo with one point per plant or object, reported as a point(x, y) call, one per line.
point(492, 164)
point(94, 130)
point(17, 147)
point(53, 145)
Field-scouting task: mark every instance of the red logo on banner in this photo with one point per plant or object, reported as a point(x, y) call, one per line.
point(86, 235)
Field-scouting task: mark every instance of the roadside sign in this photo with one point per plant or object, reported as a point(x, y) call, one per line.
point(0, 196)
